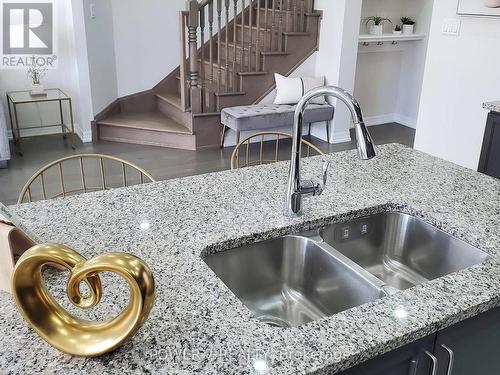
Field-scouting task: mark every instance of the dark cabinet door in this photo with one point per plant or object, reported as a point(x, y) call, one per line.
point(474, 345)
point(408, 360)
point(490, 154)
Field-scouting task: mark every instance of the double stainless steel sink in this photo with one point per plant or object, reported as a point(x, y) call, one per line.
point(296, 279)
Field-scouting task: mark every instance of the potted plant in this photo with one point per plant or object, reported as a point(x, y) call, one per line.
point(397, 30)
point(35, 73)
point(408, 25)
point(377, 24)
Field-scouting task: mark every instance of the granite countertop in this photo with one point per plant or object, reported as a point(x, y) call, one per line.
point(198, 325)
point(492, 106)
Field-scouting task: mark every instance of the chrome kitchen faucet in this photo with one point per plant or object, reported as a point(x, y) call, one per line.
point(297, 188)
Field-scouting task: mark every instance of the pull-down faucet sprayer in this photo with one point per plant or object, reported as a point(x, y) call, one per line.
point(297, 188)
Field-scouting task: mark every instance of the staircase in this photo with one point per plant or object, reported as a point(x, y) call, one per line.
point(224, 61)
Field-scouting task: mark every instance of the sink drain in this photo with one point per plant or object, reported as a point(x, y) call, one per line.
point(274, 321)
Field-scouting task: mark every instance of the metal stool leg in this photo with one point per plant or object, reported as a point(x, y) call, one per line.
point(222, 136)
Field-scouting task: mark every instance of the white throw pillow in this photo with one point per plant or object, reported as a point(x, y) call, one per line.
point(291, 90)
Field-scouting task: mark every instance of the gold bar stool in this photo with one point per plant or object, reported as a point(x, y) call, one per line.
point(80, 163)
point(263, 155)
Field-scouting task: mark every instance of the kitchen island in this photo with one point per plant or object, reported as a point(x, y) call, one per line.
point(198, 326)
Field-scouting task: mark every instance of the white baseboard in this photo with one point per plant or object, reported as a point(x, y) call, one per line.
point(341, 137)
point(391, 117)
point(318, 130)
point(36, 132)
point(85, 135)
point(406, 121)
point(379, 120)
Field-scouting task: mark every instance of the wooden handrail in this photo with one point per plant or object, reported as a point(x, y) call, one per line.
point(204, 3)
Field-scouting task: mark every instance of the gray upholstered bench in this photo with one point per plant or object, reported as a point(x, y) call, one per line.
point(269, 116)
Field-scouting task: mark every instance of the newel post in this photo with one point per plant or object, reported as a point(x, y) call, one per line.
point(193, 56)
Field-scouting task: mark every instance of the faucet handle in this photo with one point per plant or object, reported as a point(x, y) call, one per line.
point(320, 187)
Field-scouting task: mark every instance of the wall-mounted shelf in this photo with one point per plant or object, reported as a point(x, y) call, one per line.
point(368, 38)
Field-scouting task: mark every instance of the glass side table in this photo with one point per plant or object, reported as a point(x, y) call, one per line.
point(16, 98)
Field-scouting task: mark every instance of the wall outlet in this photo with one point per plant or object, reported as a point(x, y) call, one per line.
point(92, 10)
point(451, 26)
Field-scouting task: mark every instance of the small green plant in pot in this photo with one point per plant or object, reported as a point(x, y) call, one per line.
point(375, 24)
point(397, 30)
point(408, 25)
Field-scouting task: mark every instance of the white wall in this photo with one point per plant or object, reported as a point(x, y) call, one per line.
point(100, 53)
point(337, 54)
point(389, 78)
point(461, 73)
point(146, 42)
point(377, 84)
point(65, 76)
point(85, 114)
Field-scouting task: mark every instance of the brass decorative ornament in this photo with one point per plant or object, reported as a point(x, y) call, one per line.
point(56, 325)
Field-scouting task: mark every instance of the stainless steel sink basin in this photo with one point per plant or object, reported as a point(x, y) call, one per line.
point(293, 280)
point(400, 249)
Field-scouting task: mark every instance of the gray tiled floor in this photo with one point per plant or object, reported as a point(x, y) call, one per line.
point(162, 163)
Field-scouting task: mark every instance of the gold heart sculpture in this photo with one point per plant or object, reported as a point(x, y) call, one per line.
point(61, 329)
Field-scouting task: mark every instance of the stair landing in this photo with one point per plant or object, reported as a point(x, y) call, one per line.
point(148, 128)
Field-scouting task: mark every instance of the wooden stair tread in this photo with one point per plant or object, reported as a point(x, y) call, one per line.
point(221, 86)
point(239, 69)
point(253, 73)
point(153, 121)
point(245, 47)
point(222, 64)
point(274, 53)
point(313, 14)
point(237, 45)
point(231, 93)
point(262, 52)
point(262, 28)
point(297, 33)
point(173, 99)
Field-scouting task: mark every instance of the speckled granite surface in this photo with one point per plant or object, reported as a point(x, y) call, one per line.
point(198, 325)
point(492, 106)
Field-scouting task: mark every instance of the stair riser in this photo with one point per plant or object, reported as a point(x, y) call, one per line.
point(232, 50)
point(146, 137)
point(175, 113)
point(230, 101)
point(255, 83)
point(287, 19)
point(227, 77)
point(296, 47)
point(264, 41)
point(308, 5)
point(141, 102)
point(312, 24)
point(207, 129)
point(208, 98)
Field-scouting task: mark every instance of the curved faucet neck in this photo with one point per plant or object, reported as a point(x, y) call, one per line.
point(366, 148)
